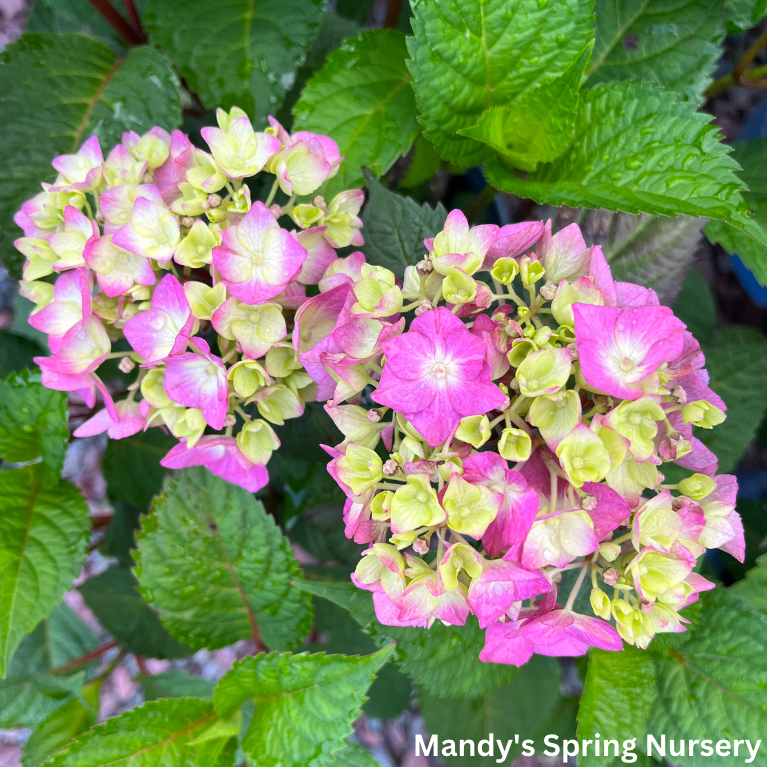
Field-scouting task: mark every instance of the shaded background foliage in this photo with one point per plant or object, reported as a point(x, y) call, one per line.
point(88, 658)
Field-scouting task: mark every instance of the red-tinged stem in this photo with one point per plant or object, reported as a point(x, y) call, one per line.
point(117, 22)
point(142, 667)
point(85, 659)
point(133, 14)
point(392, 14)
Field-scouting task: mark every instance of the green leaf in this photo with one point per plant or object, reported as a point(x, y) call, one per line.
point(539, 125)
point(25, 696)
point(695, 306)
point(712, 685)
point(638, 149)
point(676, 44)
point(353, 755)
point(114, 600)
point(424, 163)
point(752, 157)
point(43, 532)
point(753, 588)
point(216, 567)
point(395, 227)
point(158, 734)
point(61, 726)
point(521, 707)
point(142, 453)
point(618, 694)
point(744, 14)
point(16, 353)
point(244, 54)
point(304, 704)
point(120, 537)
point(33, 423)
point(176, 684)
point(736, 359)
point(442, 659)
point(468, 57)
point(55, 90)
point(362, 99)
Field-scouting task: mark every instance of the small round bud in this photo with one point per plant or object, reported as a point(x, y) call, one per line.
point(420, 546)
point(424, 267)
point(374, 415)
point(187, 222)
point(126, 365)
point(275, 210)
point(548, 291)
point(230, 420)
point(610, 576)
point(424, 306)
point(589, 503)
point(609, 551)
point(647, 607)
point(391, 467)
point(214, 200)
point(99, 217)
point(679, 394)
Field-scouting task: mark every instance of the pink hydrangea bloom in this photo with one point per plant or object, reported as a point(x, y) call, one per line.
point(164, 329)
point(257, 258)
point(512, 240)
point(129, 421)
point(198, 379)
point(620, 349)
point(71, 304)
point(435, 374)
point(82, 170)
point(557, 633)
point(117, 270)
point(222, 457)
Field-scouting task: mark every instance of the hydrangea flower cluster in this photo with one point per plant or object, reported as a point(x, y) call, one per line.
point(159, 251)
point(515, 429)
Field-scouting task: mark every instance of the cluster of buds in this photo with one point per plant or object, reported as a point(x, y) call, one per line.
point(159, 252)
point(513, 430)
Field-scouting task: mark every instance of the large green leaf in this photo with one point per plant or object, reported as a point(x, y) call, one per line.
point(362, 99)
point(538, 126)
point(752, 157)
point(471, 56)
point(33, 423)
point(242, 52)
point(618, 694)
point(29, 693)
point(653, 251)
point(216, 567)
point(675, 43)
point(171, 732)
point(62, 725)
point(395, 227)
point(55, 90)
point(304, 704)
point(176, 684)
point(521, 707)
point(114, 600)
point(753, 588)
point(43, 532)
point(639, 149)
point(353, 755)
point(711, 686)
point(744, 14)
point(142, 453)
point(736, 359)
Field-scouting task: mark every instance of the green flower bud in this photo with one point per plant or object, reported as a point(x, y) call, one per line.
point(152, 388)
point(474, 429)
point(196, 249)
point(637, 421)
point(531, 271)
point(360, 468)
point(415, 505)
point(306, 215)
point(600, 603)
point(583, 456)
point(515, 445)
point(461, 557)
point(247, 377)
point(203, 300)
point(505, 270)
point(520, 348)
point(278, 404)
point(702, 413)
point(458, 288)
point(257, 441)
point(697, 487)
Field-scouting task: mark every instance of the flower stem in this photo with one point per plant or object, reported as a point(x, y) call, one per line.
point(577, 587)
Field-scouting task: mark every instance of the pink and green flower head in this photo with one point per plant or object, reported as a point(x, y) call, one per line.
point(71, 304)
point(153, 231)
point(129, 421)
point(435, 374)
point(621, 350)
point(121, 167)
point(80, 350)
point(221, 456)
point(83, 170)
point(117, 203)
point(198, 379)
point(563, 255)
point(256, 328)
point(69, 244)
point(257, 259)
point(236, 147)
point(459, 246)
point(117, 270)
point(164, 329)
point(513, 240)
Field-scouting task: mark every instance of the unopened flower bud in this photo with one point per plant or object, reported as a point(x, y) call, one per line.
point(424, 267)
point(679, 394)
point(275, 210)
point(515, 445)
point(548, 291)
point(374, 415)
point(420, 546)
point(589, 503)
point(126, 365)
point(230, 420)
point(390, 468)
point(600, 603)
point(609, 551)
point(187, 222)
point(424, 306)
point(610, 575)
point(214, 200)
point(697, 486)
point(647, 607)
point(674, 446)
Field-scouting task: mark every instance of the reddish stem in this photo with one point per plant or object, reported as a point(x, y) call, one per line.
point(392, 14)
point(117, 22)
point(142, 666)
point(84, 659)
point(133, 14)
